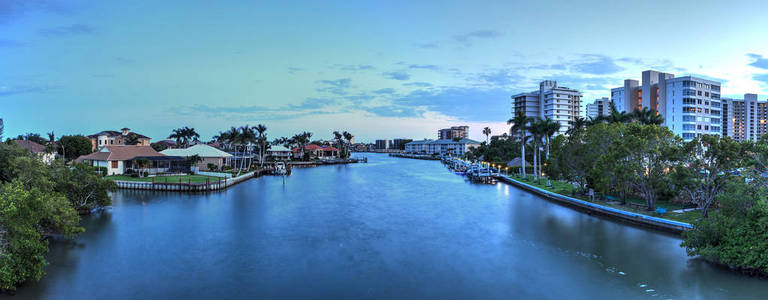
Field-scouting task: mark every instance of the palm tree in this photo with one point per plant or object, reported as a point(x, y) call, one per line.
point(519, 123)
point(616, 116)
point(261, 130)
point(550, 128)
point(537, 128)
point(302, 139)
point(247, 137)
point(178, 135)
point(348, 137)
point(183, 136)
point(577, 124)
point(487, 132)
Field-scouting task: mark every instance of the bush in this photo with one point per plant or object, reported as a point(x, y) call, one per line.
point(146, 174)
point(102, 170)
point(135, 175)
point(129, 172)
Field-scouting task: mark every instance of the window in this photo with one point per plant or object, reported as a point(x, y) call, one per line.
point(111, 142)
point(689, 127)
point(706, 94)
point(699, 93)
point(689, 119)
point(114, 164)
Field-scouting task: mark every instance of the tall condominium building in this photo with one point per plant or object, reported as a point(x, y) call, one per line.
point(601, 107)
point(560, 104)
point(689, 105)
point(382, 144)
point(461, 132)
point(745, 119)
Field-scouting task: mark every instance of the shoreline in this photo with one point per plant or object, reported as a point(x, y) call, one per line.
point(597, 209)
point(414, 156)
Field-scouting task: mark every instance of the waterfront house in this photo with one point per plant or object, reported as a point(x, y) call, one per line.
point(208, 154)
point(318, 152)
point(441, 147)
point(117, 138)
point(128, 159)
point(279, 153)
point(37, 149)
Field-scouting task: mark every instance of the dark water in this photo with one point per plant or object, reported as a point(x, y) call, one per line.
point(392, 228)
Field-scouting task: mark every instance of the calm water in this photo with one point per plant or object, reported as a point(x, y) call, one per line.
point(392, 228)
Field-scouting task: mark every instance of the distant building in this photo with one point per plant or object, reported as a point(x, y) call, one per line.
point(399, 144)
point(117, 138)
point(319, 152)
point(601, 107)
point(461, 132)
point(279, 153)
point(561, 104)
point(208, 154)
point(382, 144)
point(690, 106)
point(125, 159)
point(442, 147)
point(745, 119)
point(37, 149)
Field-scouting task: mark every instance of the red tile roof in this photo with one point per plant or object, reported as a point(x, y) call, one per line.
point(121, 153)
point(330, 148)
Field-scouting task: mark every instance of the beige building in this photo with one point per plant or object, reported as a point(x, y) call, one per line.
point(745, 119)
point(117, 138)
point(561, 104)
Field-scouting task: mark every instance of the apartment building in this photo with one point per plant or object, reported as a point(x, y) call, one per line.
point(690, 106)
point(560, 104)
point(461, 132)
point(382, 144)
point(601, 107)
point(745, 119)
point(117, 138)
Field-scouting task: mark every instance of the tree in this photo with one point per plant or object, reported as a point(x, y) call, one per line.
point(537, 129)
point(647, 116)
point(25, 215)
point(706, 165)
point(73, 146)
point(348, 144)
point(261, 140)
point(83, 187)
point(183, 136)
point(2, 129)
point(487, 133)
point(50, 146)
point(550, 127)
point(577, 124)
point(519, 123)
point(34, 137)
point(141, 163)
point(132, 139)
point(652, 152)
point(194, 159)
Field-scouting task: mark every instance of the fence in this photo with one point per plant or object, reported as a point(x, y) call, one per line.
point(186, 186)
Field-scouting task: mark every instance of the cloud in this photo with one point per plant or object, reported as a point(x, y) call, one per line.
point(337, 86)
point(467, 38)
point(430, 45)
point(397, 75)
point(427, 67)
point(293, 70)
point(759, 61)
point(418, 83)
point(355, 67)
point(501, 78)
point(465, 103)
point(596, 64)
point(10, 44)
point(763, 78)
point(74, 29)
point(309, 106)
point(394, 111)
point(386, 91)
point(12, 9)
point(9, 90)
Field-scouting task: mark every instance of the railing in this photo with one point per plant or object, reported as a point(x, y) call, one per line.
point(186, 186)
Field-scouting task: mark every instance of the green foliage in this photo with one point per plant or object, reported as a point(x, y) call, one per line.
point(158, 146)
point(83, 186)
point(499, 151)
point(736, 235)
point(73, 146)
point(26, 214)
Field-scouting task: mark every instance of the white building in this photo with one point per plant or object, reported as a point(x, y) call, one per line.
point(601, 107)
point(442, 147)
point(560, 104)
point(745, 119)
point(689, 105)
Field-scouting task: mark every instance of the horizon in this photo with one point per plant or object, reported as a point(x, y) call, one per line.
point(76, 67)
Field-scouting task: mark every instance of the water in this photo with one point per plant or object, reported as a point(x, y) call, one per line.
point(392, 228)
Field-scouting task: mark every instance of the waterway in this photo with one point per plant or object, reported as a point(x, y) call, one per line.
point(393, 228)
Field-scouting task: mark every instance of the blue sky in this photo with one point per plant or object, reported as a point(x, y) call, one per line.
point(381, 69)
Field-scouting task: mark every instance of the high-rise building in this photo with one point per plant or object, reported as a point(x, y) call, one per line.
point(689, 105)
point(460, 132)
point(382, 144)
point(560, 104)
point(399, 143)
point(601, 107)
point(745, 119)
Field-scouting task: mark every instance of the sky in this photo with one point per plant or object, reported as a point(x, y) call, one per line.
point(378, 69)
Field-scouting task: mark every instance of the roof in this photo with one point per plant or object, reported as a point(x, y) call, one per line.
point(30, 145)
point(515, 162)
point(444, 142)
point(201, 150)
point(309, 147)
point(330, 148)
point(112, 133)
point(121, 153)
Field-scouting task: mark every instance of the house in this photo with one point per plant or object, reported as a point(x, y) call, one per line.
point(442, 147)
point(128, 159)
point(208, 154)
point(279, 153)
point(318, 152)
point(37, 149)
point(117, 138)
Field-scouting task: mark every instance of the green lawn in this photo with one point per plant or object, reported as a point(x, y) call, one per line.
point(565, 188)
point(175, 178)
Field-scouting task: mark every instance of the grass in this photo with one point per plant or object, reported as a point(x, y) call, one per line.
point(566, 189)
point(175, 178)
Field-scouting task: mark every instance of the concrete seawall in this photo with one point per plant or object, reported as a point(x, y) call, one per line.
point(185, 187)
point(625, 216)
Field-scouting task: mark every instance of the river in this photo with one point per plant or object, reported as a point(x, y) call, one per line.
point(390, 229)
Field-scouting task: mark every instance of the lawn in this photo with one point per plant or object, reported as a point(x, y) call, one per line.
point(175, 178)
point(565, 188)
